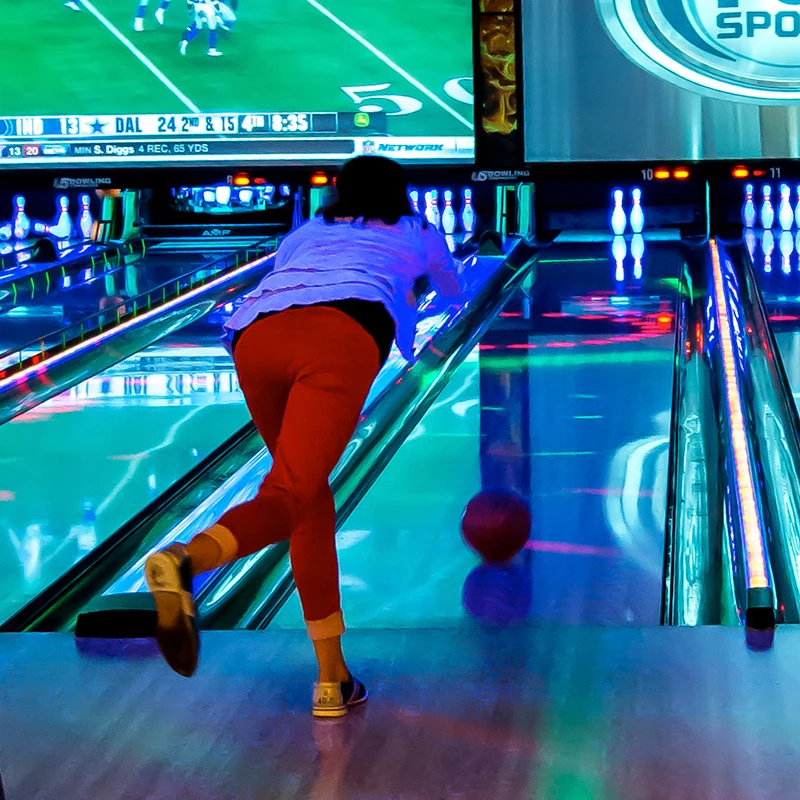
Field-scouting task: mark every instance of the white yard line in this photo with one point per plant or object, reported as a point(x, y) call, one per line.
point(389, 63)
point(139, 56)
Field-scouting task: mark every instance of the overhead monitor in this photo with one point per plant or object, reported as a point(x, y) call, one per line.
point(241, 82)
point(661, 79)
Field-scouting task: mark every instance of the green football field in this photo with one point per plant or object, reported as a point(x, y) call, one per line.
point(410, 58)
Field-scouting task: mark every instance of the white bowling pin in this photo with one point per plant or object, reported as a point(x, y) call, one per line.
point(436, 212)
point(797, 209)
point(619, 220)
point(637, 212)
point(637, 251)
point(429, 215)
point(786, 244)
point(619, 251)
point(467, 214)
point(751, 240)
point(269, 193)
point(20, 223)
point(785, 210)
point(222, 195)
point(62, 229)
point(451, 242)
point(449, 214)
point(767, 246)
point(767, 211)
point(414, 195)
point(749, 207)
point(85, 221)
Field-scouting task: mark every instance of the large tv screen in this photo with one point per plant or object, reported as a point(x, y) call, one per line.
point(154, 82)
point(661, 79)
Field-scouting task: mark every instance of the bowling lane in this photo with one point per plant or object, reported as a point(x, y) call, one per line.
point(90, 291)
point(566, 400)
point(83, 463)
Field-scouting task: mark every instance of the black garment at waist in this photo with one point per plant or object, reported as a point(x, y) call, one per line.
point(372, 317)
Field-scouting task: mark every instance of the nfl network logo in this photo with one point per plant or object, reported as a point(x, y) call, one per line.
point(746, 48)
point(368, 148)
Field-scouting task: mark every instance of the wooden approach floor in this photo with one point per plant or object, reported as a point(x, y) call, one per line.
point(462, 714)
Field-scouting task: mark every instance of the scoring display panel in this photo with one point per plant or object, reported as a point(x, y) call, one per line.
point(229, 82)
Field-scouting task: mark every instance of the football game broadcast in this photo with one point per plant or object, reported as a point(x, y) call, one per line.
point(137, 82)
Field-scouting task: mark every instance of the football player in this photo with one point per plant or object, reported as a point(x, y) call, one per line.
point(141, 10)
point(211, 14)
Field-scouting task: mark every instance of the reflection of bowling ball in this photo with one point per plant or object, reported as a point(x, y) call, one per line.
point(498, 594)
point(496, 525)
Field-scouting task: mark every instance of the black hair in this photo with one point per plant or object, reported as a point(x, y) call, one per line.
point(370, 187)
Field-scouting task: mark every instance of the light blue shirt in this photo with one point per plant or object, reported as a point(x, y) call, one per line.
point(320, 262)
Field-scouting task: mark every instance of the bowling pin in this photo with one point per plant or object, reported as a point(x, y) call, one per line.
point(785, 211)
point(787, 248)
point(414, 195)
point(436, 213)
point(637, 251)
point(285, 190)
point(767, 246)
point(269, 193)
point(637, 212)
point(749, 207)
point(222, 195)
point(619, 251)
point(20, 223)
point(619, 221)
point(751, 240)
point(797, 242)
point(767, 211)
point(468, 214)
point(85, 221)
point(429, 215)
point(6, 232)
point(448, 215)
point(63, 225)
point(797, 209)
point(451, 242)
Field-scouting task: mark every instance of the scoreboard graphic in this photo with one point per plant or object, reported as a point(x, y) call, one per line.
point(126, 82)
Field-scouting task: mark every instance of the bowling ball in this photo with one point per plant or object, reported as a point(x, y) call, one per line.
point(496, 525)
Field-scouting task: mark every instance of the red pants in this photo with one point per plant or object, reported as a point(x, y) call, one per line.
point(305, 374)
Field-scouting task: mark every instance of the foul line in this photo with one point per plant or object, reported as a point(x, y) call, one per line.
point(140, 56)
point(389, 63)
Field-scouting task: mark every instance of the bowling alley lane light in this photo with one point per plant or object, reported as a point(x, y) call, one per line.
point(751, 521)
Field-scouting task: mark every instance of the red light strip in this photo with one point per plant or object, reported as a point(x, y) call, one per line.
point(751, 520)
point(19, 378)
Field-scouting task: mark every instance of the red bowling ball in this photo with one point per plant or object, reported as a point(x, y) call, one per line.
point(496, 525)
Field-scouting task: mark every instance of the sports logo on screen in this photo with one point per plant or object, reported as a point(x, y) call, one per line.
point(746, 48)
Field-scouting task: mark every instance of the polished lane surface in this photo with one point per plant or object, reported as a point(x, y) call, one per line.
point(566, 401)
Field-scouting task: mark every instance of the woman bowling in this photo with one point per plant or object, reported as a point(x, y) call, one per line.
point(307, 345)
